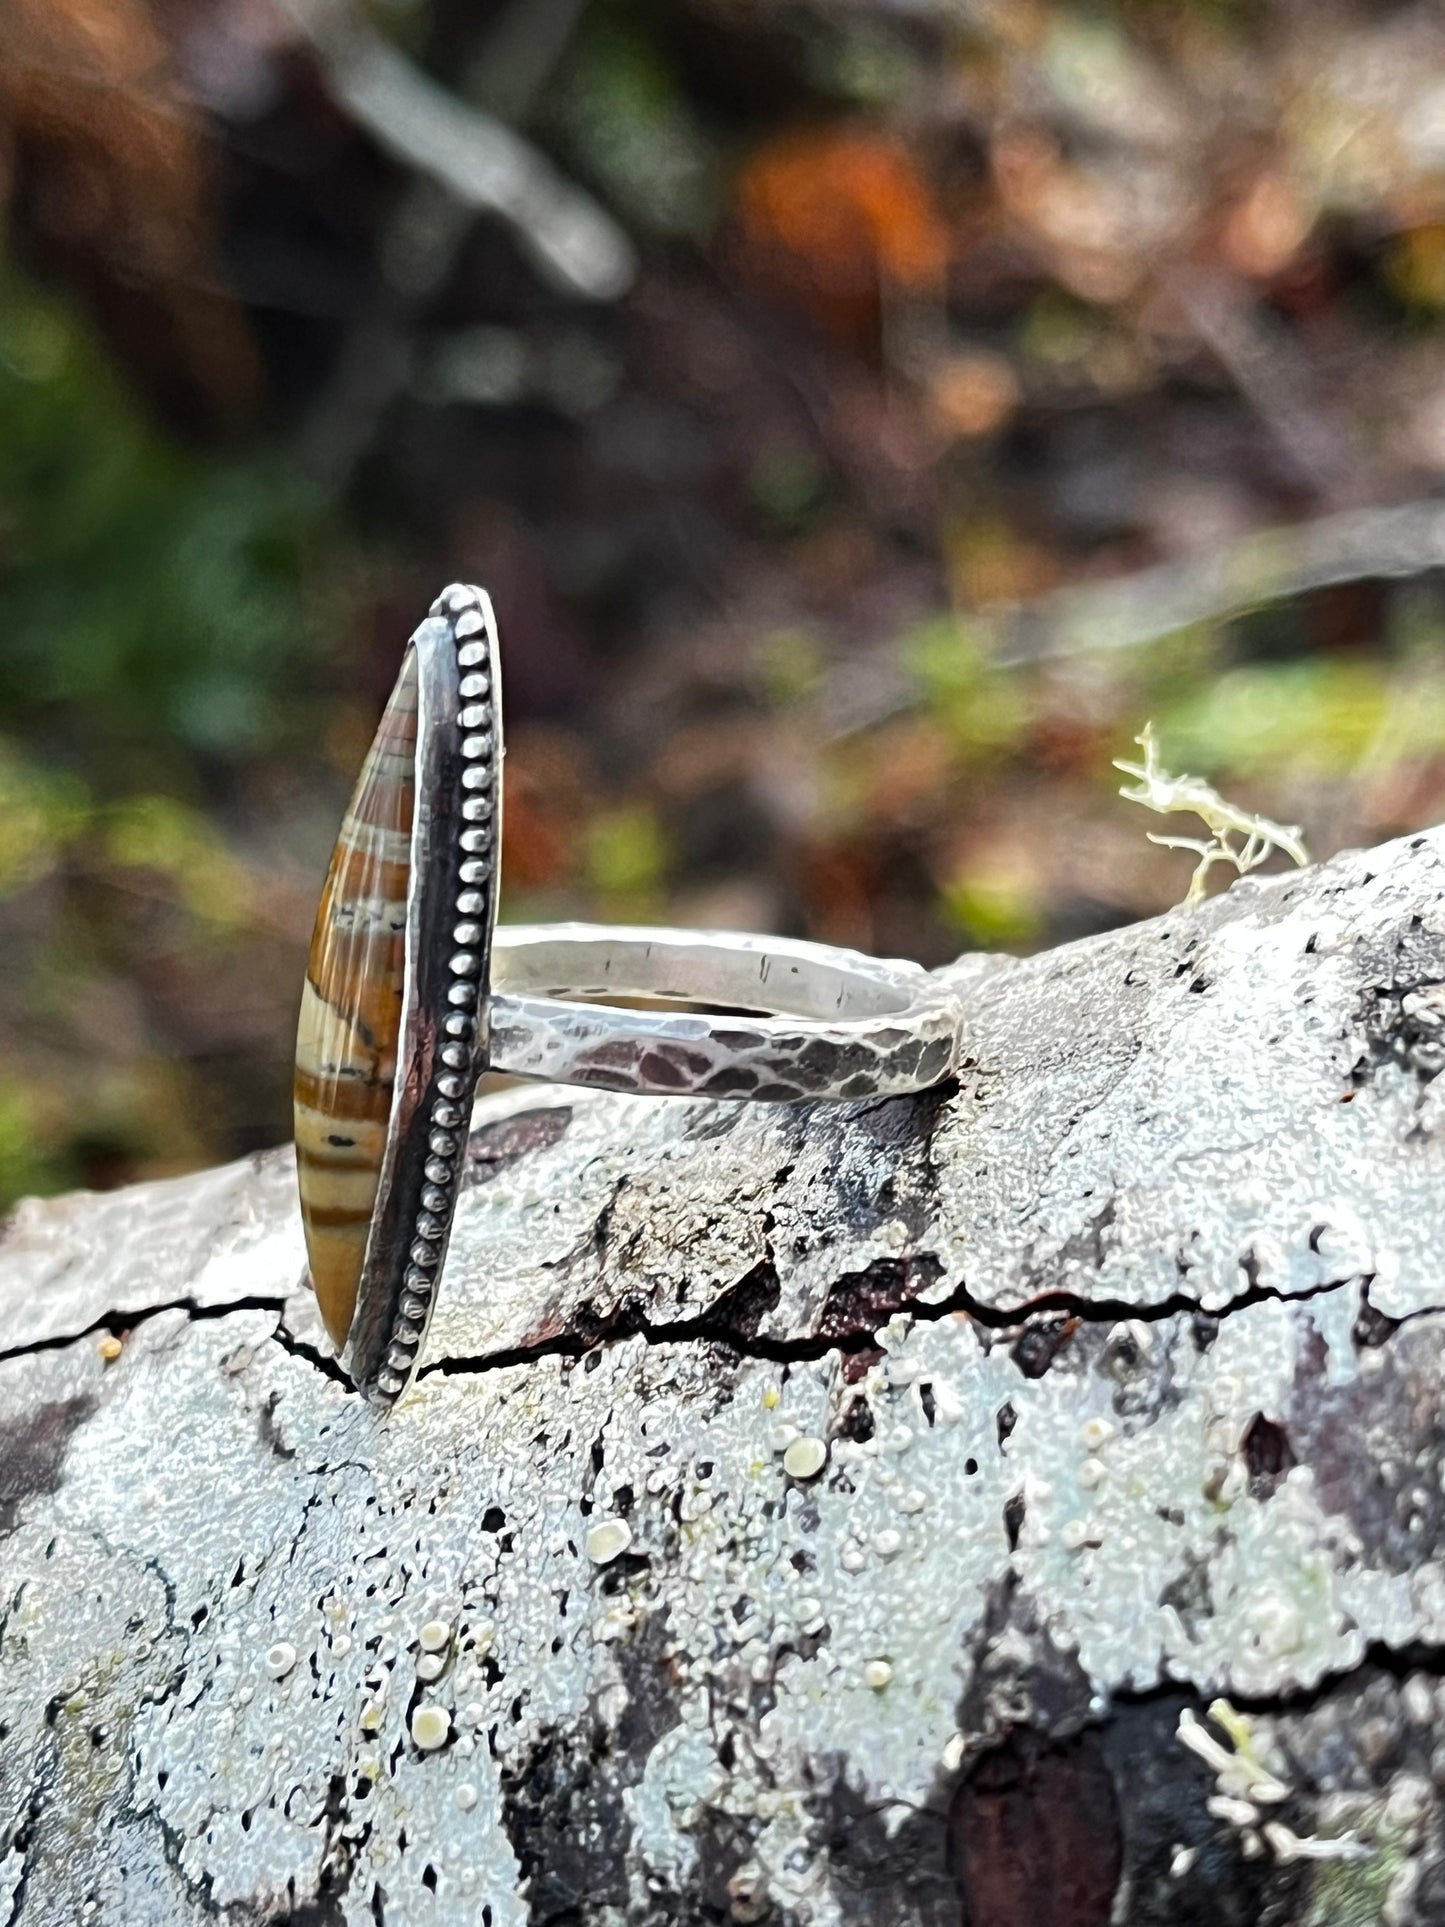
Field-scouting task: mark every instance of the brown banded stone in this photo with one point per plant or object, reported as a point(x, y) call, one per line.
point(351, 1006)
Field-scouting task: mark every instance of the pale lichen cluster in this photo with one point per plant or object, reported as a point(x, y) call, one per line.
point(1237, 836)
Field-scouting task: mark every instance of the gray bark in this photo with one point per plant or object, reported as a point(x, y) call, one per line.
point(1125, 1357)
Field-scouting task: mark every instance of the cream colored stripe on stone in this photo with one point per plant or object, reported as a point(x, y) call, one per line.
point(331, 1190)
point(314, 1129)
point(326, 1043)
point(365, 839)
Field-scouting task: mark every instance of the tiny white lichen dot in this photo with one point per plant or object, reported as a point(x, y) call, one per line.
point(805, 1458)
point(607, 1539)
point(430, 1726)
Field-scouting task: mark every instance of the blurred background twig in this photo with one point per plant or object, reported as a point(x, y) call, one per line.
point(866, 416)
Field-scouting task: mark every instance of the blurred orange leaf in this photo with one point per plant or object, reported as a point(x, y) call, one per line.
point(103, 147)
point(832, 215)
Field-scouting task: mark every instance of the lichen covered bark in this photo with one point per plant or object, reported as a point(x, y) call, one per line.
point(820, 1515)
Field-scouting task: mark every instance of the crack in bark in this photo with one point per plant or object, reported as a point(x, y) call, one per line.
point(628, 1321)
point(312, 1355)
point(118, 1324)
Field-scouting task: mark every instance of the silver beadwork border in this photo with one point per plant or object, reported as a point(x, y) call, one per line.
point(451, 913)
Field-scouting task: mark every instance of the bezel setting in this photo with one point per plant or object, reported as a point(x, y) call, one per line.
point(450, 915)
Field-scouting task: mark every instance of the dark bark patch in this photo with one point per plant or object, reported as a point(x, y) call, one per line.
point(902, 1877)
point(1040, 1343)
point(1191, 1593)
point(1161, 1790)
point(1036, 1835)
point(1019, 1667)
point(496, 1146)
point(1403, 1024)
point(327, 1908)
point(652, 1701)
point(1268, 1455)
point(857, 1365)
point(858, 1302)
point(1372, 1328)
point(266, 1423)
point(32, 1453)
point(902, 1128)
point(1203, 1329)
point(1014, 1513)
point(563, 1812)
point(857, 1422)
point(740, 1312)
point(723, 1844)
point(1375, 1446)
point(901, 1123)
point(563, 1809)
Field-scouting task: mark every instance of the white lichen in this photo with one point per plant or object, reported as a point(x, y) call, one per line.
point(805, 1458)
point(430, 1726)
point(1240, 1772)
point(1236, 836)
point(1246, 1782)
point(1288, 1846)
point(607, 1540)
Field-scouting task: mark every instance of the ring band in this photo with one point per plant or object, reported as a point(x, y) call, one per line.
point(838, 1025)
point(393, 1025)
point(399, 1015)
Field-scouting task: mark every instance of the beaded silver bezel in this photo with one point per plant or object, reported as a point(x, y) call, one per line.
point(451, 915)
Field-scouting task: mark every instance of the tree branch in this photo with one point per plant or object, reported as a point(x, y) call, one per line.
point(800, 1505)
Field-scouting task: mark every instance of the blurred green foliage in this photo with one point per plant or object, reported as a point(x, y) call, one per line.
point(625, 120)
point(992, 912)
point(27, 1164)
point(1317, 717)
point(158, 605)
point(152, 589)
point(984, 709)
point(627, 860)
point(42, 811)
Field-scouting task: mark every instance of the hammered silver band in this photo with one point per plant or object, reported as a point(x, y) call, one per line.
point(811, 1021)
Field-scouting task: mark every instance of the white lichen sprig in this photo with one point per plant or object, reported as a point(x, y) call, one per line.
point(1245, 1782)
point(1236, 835)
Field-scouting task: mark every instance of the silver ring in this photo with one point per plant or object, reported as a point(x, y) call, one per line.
point(834, 1023)
point(399, 1014)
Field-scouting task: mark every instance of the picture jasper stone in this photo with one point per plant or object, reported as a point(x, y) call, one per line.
point(351, 1009)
